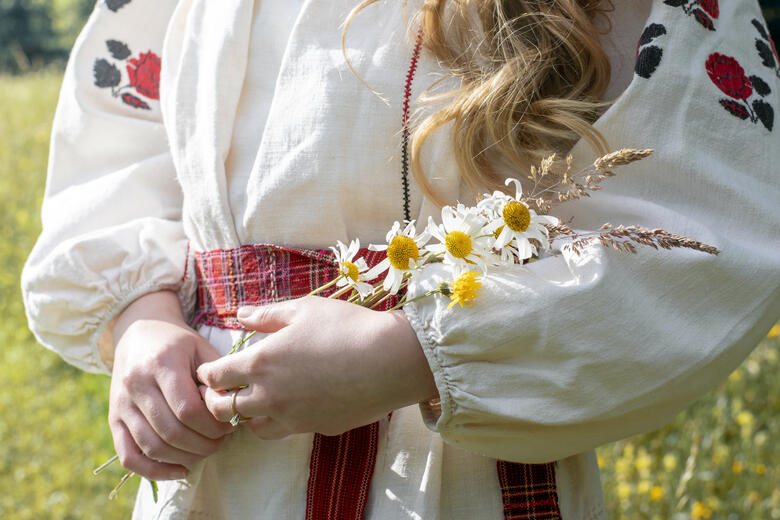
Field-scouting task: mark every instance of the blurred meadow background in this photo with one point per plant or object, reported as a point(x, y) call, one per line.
point(718, 459)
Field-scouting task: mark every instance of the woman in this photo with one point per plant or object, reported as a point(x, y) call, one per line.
point(258, 132)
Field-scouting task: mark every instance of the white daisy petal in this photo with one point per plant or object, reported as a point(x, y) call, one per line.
point(378, 269)
point(518, 187)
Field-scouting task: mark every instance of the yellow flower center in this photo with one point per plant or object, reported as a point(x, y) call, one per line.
point(350, 270)
point(400, 250)
point(464, 289)
point(517, 216)
point(458, 244)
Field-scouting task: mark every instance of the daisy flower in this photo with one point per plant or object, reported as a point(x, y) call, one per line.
point(352, 272)
point(463, 241)
point(516, 224)
point(403, 253)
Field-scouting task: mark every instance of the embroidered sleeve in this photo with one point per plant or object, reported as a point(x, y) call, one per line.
point(112, 208)
point(571, 352)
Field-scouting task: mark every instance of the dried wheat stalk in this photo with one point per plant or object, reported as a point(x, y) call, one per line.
point(625, 239)
point(554, 183)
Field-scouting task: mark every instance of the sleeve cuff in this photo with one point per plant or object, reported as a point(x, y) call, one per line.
point(436, 413)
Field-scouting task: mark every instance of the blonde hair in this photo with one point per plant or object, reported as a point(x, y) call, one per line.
point(531, 75)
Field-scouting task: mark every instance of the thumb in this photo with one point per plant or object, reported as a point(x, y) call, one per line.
point(266, 318)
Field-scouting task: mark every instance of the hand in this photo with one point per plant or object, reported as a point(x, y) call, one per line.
point(328, 366)
point(158, 420)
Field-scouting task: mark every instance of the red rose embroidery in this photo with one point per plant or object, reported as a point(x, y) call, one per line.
point(711, 7)
point(144, 74)
point(729, 76)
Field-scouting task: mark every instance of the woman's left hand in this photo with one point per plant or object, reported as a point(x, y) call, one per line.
point(327, 366)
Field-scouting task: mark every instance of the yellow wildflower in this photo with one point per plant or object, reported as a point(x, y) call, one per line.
point(737, 467)
point(657, 493)
point(465, 289)
point(760, 469)
point(643, 461)
point(669, 462)
point(744, 418)
point(699, 510)
point(622, 466)
point(774, 331)
point(623, 490)
point(643, 487)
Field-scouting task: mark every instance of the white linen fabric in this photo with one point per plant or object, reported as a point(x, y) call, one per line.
point(261, 134)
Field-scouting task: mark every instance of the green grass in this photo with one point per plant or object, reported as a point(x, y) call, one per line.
point(53, 427)
point(719, 459)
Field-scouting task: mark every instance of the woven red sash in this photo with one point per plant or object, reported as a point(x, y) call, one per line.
point(341, 467)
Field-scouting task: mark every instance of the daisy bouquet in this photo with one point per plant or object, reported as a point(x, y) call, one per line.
point(500, 230)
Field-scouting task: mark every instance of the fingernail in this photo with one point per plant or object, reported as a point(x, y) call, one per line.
point(181, 474)
point(244, 312)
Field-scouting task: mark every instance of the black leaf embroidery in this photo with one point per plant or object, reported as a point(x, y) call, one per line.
point(734, 108)
point(758, 25)
point(651, 32)
point(106, 74)
point(675, 3)
point(703, 19)
point(115, 5)
point(765, 113)
point(118, 50)
point(134, 101)
point(765, 52)
point(760, 86)
point(648, 60)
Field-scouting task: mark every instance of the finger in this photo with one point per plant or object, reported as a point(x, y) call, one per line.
point(268, 429)
point(132, 458)
point(151, 444)
point(204, 351)
point(230, 371)
point(267, 318)
point(156, 409)
point(181, 394)
point(220, 403)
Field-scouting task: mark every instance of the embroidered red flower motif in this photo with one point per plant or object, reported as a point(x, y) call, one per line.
point(729, 76)
point(711, 7)
point(144, 74)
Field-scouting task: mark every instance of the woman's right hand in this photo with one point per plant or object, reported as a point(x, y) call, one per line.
point(158, 419)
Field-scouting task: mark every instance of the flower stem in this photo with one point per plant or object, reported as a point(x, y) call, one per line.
point(106, 464)
point(404, 302)
point(124, 479)
point(240, 343)
point(340, 292)
point(382, 300)
point(326, 286)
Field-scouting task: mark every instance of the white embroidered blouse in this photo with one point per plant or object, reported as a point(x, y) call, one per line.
point(256, 131)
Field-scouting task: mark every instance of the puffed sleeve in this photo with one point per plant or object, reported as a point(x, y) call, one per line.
point(111, 213)
point(570, 352)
